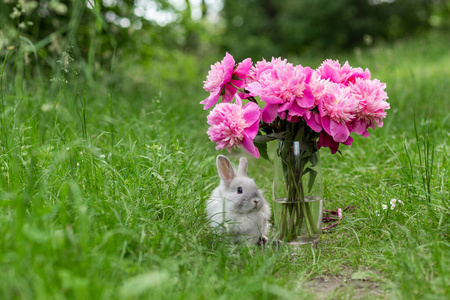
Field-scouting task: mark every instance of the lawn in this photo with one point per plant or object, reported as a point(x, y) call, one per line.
point(103, 187)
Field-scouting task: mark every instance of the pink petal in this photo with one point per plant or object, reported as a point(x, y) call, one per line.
point(243, 68)
point(339, 131)
point(211, 100)
point(285, 106)
point(307, 101)
point(228, 63)
point(272, 100)
point(293, 119)
point(254, 88)
point(314, 122)
point(326, 140)
point(329, 73)
point(243, 95)
point(359, 127)
point(320, 108)
point(252, 113)
point(349, 141)
point(269, 113)
point(308, 73)
point(238, 100)
point(252, 130)
point(296, 110)
point(379, 123)
point(238, 83)
point(230, 91)
point(326, 124)
point(247, 145)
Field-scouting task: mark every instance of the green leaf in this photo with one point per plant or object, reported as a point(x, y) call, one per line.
point(307, 146)
point(270, 137)
point(312, 177)
point(285, 146)
point(314, 159)
point(315, 109)
point(262, 147)
point(262, 139)
point(265, 128)
point(300, 135)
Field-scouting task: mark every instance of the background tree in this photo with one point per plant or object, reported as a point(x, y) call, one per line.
point(98, 30)
point(291, 26)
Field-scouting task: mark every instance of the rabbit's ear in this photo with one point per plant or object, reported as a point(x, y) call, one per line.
point(242, 170)
point(226, 171)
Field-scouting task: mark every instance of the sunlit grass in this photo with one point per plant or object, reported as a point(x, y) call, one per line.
point(103, 190)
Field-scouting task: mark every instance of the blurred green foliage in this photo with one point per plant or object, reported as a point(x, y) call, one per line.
point(98, 32)
point(269, 27)
point(95, 32)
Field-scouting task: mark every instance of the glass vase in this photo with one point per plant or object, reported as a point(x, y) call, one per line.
point(297, 192)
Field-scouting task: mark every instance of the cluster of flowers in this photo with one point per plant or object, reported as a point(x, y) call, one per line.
point(333, 100)
point(393, 203)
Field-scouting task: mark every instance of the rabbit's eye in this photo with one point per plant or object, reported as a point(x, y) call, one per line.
point(239, 190)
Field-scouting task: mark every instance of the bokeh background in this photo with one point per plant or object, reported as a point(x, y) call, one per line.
point(105, 32)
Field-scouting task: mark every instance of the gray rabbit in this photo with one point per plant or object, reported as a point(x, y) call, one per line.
point(236, 207)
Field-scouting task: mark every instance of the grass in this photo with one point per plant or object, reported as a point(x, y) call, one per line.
point(103, 189)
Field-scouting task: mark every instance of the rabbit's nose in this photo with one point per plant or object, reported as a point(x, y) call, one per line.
point(256, 201)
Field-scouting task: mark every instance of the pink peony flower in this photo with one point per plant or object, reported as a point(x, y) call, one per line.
point(262, 66)
point(232, 125)
point(221, 74)
point(337, 111)
point(284, 88)
point(372, 104)
point(319, 88)
point(256, 71)
point(332, 70)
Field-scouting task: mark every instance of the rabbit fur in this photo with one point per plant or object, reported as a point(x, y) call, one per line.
point(236, 207)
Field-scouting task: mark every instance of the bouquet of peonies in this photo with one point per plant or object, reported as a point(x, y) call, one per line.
point(315, 108)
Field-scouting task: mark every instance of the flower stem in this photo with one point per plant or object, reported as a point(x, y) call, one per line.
point(296, 211)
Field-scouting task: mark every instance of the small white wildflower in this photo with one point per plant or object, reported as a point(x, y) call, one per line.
point(46, 107)
point(102, 156)
point(67, 148)
point(393, 201)
point(392, 206)
point(384, 206)
point(78, 164)
point(401, 202)
point(378, 215)
point(81, 152)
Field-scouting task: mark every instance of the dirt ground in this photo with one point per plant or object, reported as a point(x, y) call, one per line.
point(347, 285)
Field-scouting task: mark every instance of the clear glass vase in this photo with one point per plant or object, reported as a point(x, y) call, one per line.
point(297, 192)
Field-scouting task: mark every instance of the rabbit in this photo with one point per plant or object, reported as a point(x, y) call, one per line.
point(236, 207)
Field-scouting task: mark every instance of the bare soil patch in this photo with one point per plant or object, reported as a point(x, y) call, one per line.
point(347, 285)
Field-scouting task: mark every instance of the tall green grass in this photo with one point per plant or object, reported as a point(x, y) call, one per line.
point(103, 188)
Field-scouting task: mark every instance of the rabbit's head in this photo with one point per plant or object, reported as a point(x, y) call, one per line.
point(237, 188)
